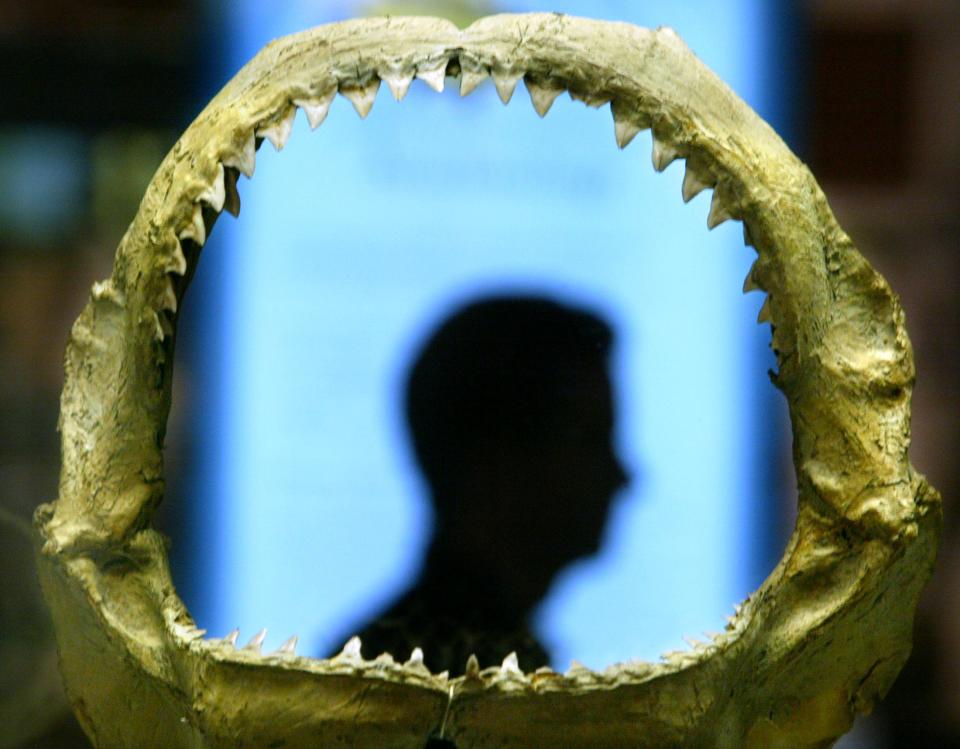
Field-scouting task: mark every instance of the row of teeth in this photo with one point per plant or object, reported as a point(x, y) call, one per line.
point(222, 193)
point(509, 668)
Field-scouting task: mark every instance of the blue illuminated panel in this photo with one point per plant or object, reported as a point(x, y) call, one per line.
point(357, 239)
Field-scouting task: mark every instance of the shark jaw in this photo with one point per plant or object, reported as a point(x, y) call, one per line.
point(819, 642)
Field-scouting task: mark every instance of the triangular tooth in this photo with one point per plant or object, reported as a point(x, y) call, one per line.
point(231, 638)
point(289, 646)
point(542, 97)
point(179, 265)
point(168, 300)
point(195, 230)
point(473, 667)
point(362, 97)
point(231, 202)
point(244, 160)
point(416, 658)
point(692, 184)
point(750, 282)
point(506, 83)
point(510, 665)
point(625, 131)
point(764, 316)
point(278, 131)
point(164, 327)
point(398, 83)
point(256, 641)
point(718, 212)
point(316, 109)
point(470, 79)
point(434, 77)
point(577, 667)
point(663, 154)
point(215, 193)
point(351, 650)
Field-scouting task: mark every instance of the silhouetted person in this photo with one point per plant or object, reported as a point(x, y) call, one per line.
point(511, 414)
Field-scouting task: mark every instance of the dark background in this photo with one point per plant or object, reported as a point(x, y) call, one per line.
point(102, 89)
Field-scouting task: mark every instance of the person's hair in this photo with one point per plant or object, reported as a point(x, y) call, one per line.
point(495, 372)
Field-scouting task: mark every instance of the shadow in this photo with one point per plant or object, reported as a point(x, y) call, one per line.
point(510, 410)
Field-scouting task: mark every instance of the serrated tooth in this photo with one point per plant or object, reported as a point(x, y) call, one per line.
point(244, 160)
point(289, 646)
point(473, 667)
point(510, 665)
point(692, 184)
point(470, 79)
point(718, 212)
point(195, 230)
point(416, 658)
point(506, 83)
point(278, 131)
point(362, 97)
point(434, 76)
point(542, 97)
point(231, 638)
point(764, 316)
point(663, 154)
point(215, 193)
point(256, 641)
point(750, 281)
point(231, 202)
point(316, 109)
point(398, 83)
point(351, 650)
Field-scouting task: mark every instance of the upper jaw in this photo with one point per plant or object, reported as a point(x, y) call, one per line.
point(844, 361)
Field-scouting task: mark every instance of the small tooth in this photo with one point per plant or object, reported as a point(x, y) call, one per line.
point(316, 109)
point(416, 658)
point(351, 650)
point(231, 638)
point(362, 97)
point(195, 230)
point(434, 77)
point(289, 646)
point(542, 97)
point(510, 665)
point(215, 194)
point(169, 299)
point(692, 184)
point(749, 282)
point(179, 262)
point(718, 213)
point(278, 131)
point(506, 83)
point(473, 667)
point(399, 83)
point(663, 154)
point(470, 79)
point(244, 160)
point(164, 325)
point(764, 316)
point(231, 203)
point(577, 667)
point(256, 641)
point(625, 131)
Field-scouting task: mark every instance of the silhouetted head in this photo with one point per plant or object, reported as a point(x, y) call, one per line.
point(511, 415)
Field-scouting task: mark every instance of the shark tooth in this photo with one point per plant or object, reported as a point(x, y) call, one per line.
point(764, 316)
point(472, 671)
point(231, 637)
point(398, 83)
point(215, 193)
point(168, 298)
point(362, 96)
point(434, 76)
point(718, 211)
point(506, 83)
point(179, 261)
point(245, 159)
point(256, 641)
point(541, 96)
point(750, 281)
point(164, 327)
point(692, 184)
point(316, 108)
point(470, 79)
point(231, 202)
point(416, 658)
point(289, 646)
point(578, 669)
point(195, 230)
point(351, 650)
point(278, 131)
point(663, 154)
point(510, 665)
